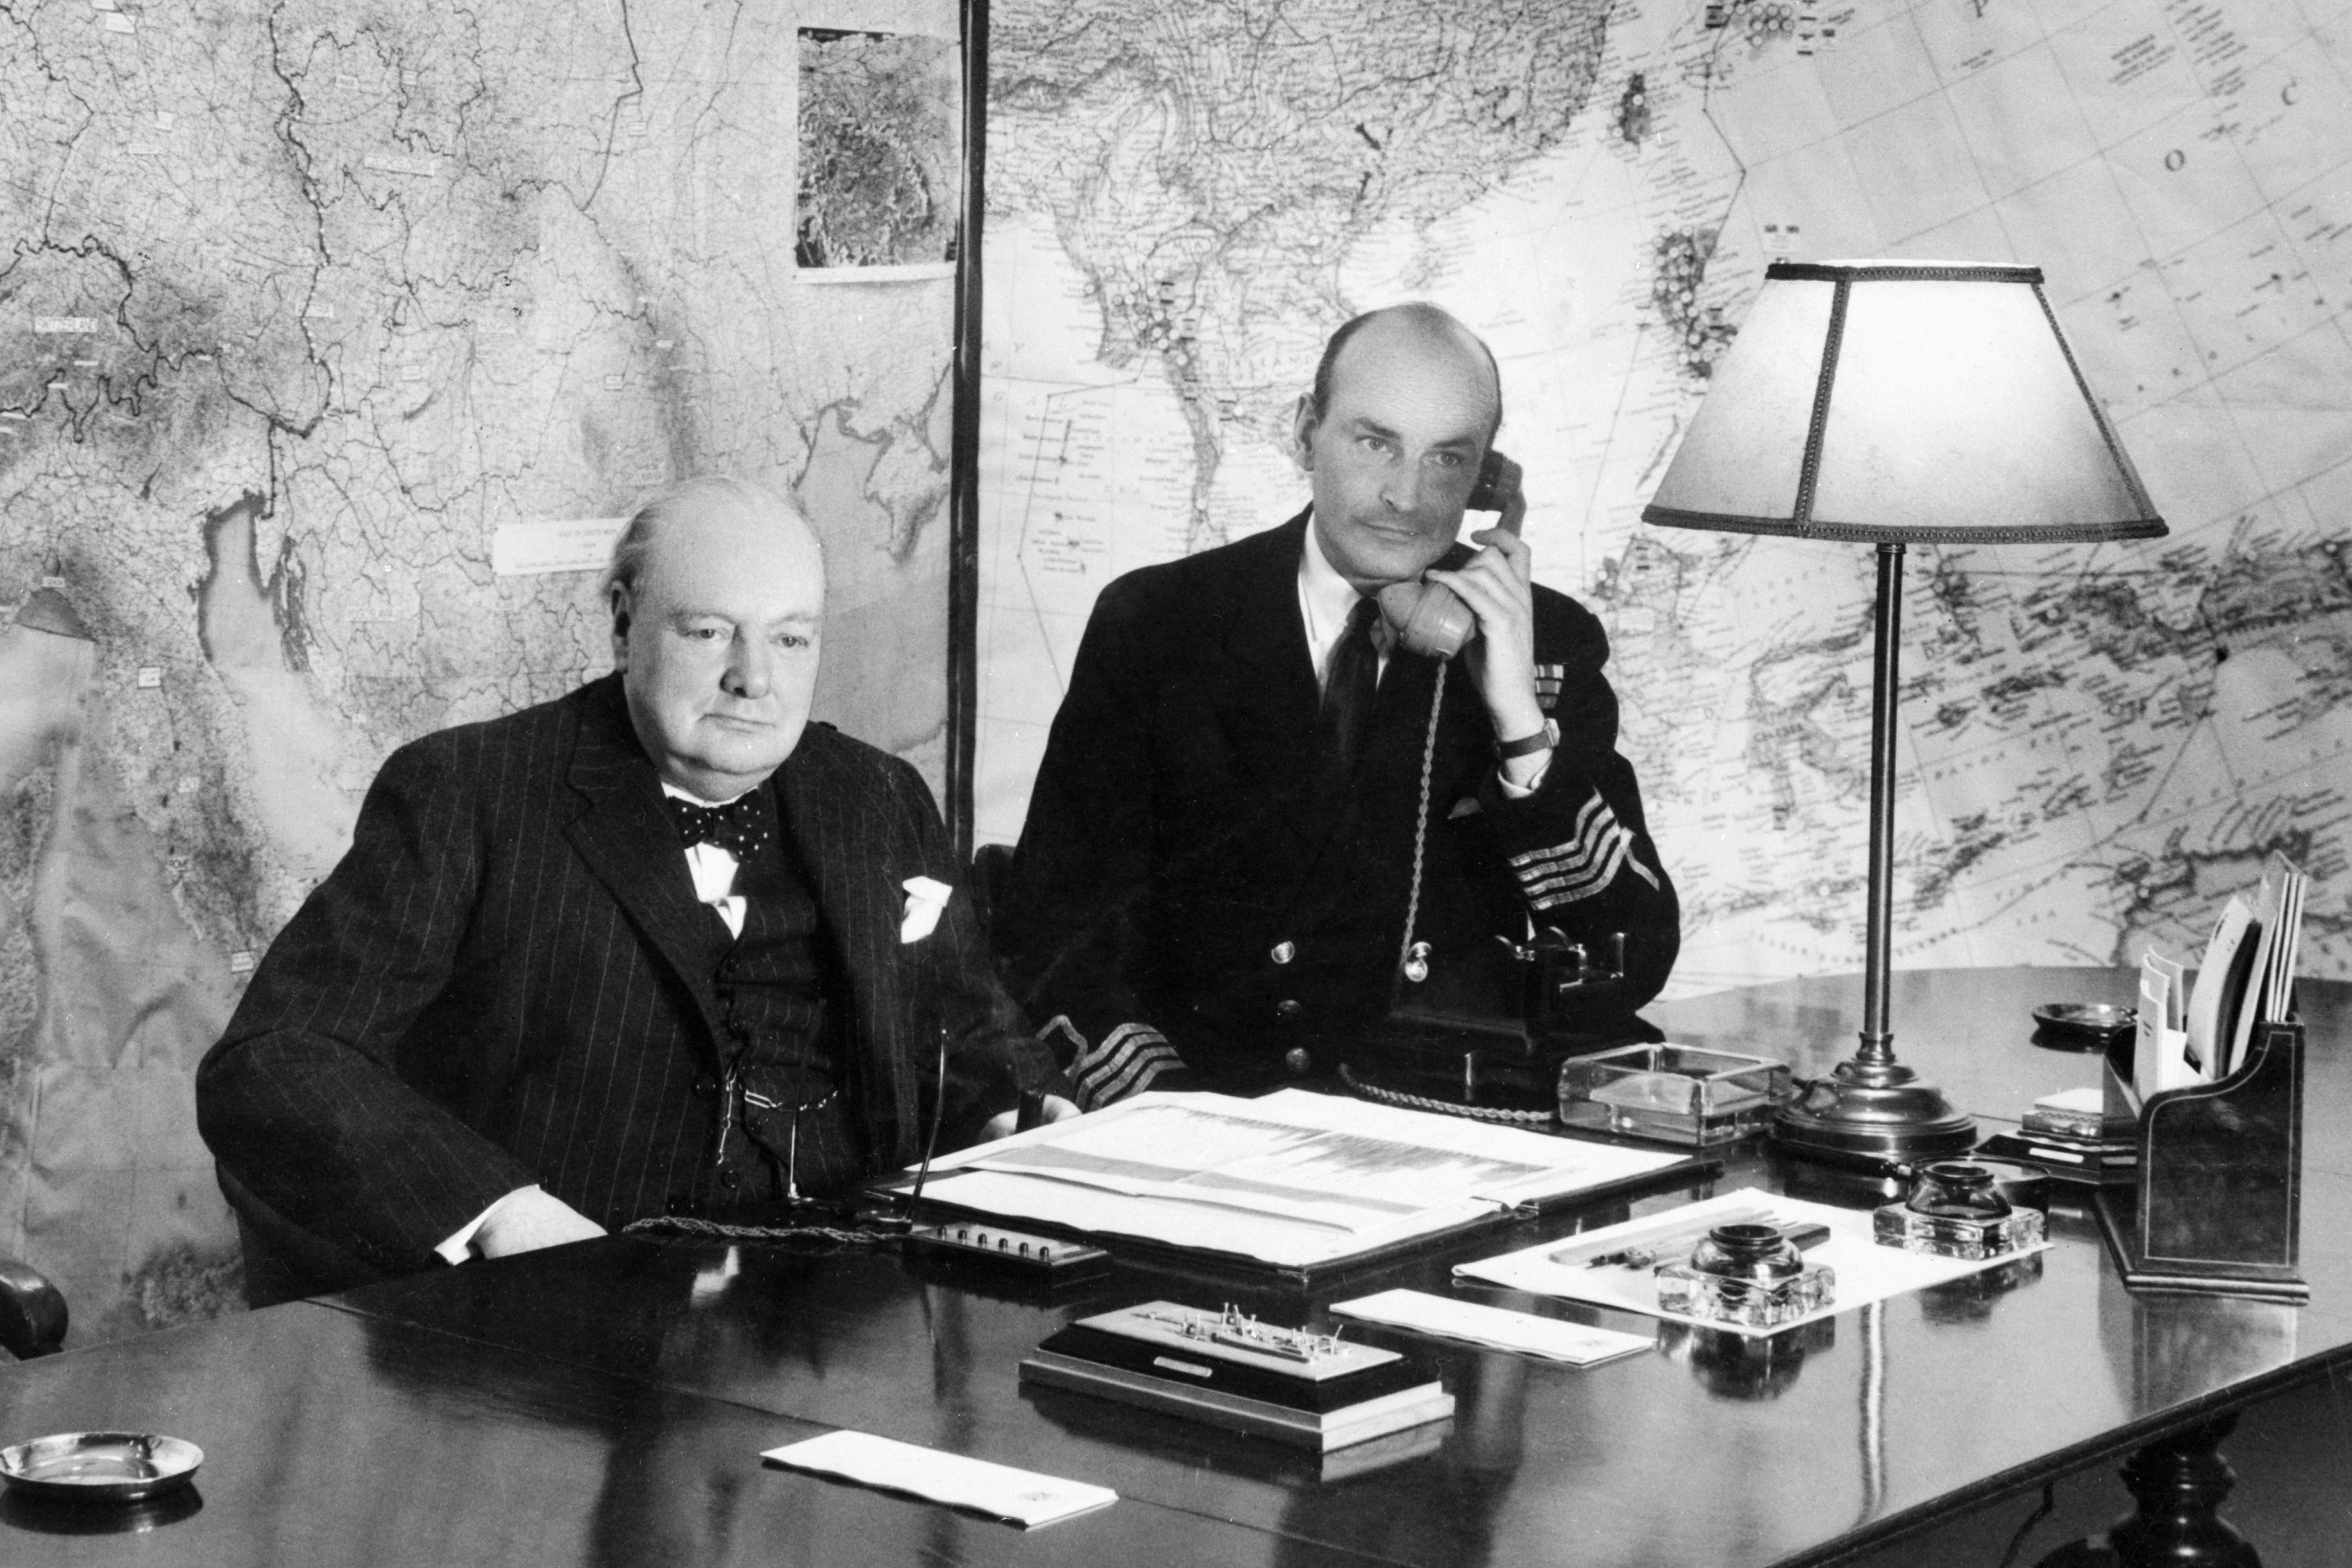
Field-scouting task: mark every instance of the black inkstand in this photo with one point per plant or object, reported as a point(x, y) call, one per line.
point(1490, 1025)
point(1564, 982)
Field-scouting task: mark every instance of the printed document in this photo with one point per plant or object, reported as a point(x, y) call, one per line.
point(1293, 1179)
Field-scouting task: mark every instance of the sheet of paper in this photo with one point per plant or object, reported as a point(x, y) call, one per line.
point(1293, 1178)
point(2175, 989)
point(554, 544)
point(1494, 1328)
point(2209, 999)
point(1024, 1497)
point(2292, 951)
point(1866, 1272)
point(2269, 906)
point(2278, 988)
point(1355, 1180)
point(2160, 1056)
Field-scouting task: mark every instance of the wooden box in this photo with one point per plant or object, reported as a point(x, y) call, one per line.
point(2217, 1208)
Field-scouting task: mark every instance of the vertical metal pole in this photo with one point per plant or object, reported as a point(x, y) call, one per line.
point(964, 467)
point(1885, 694)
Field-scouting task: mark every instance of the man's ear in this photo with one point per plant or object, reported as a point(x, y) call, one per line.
point(1302, 434)
point(619, 601)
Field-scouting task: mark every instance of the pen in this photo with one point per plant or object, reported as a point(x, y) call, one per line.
point(1670, 1229)
point(1645, 1257)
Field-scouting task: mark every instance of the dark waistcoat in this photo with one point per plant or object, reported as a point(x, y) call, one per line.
point(782, 1049)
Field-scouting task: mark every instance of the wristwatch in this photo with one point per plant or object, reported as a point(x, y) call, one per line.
point(1542, 740)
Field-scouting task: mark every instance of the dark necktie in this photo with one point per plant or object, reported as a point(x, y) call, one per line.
point(1349, 690)
point(740, 826)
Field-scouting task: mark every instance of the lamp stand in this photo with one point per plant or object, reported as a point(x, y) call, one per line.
point(1871, 1109)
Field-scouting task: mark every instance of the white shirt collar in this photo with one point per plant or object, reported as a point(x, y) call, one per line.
point(1324, 600)
point(712, 867)
point(674, 793)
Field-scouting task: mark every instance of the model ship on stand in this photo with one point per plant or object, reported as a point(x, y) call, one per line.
point(1230, 1370)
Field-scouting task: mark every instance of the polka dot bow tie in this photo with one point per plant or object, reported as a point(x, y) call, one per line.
point(739, 827)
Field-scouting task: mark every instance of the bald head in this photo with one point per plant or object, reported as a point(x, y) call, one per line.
point(710, 496)
point(1419, 324)
point(716, 589)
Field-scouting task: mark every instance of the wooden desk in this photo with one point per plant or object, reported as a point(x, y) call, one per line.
point(606, 1403)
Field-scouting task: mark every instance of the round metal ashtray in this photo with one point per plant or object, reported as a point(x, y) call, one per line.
point(2098, 1021)
point(99, 1467)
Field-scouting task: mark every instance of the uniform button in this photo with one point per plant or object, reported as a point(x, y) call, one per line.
point(730, 1180)
point(1289, 1007)
point(1283, 952)
point(1297, 1061)
point(706, 1084)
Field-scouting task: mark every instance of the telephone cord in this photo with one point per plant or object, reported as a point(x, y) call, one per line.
point(1421, 820)
point(687, 1225)
point(1404, 952)
point(1359, 1088)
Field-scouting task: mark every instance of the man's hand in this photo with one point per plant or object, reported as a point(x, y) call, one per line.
point(1498, 585)
point(527, 1220)
point(1000, 1124)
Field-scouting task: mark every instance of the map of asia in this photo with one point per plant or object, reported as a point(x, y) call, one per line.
point(2100, 743)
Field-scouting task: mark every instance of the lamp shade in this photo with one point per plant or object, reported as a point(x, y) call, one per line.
point(1930, 401)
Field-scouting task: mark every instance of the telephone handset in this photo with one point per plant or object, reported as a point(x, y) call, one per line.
point(1430, 618)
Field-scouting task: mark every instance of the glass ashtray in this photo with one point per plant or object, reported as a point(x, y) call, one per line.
point(1679, 1094)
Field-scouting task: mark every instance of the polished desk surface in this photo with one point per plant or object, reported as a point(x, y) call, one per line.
point(606, 1403)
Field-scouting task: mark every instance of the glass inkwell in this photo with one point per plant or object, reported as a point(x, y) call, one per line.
point(1747, 1274)
point(1956, 1209)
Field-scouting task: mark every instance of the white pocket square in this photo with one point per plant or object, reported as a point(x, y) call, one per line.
point(925, 896)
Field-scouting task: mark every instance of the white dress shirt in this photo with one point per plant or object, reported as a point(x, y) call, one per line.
point(1325, 601)
point(714, 868)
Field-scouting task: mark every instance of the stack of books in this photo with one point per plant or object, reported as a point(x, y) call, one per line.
point(2072, 1135)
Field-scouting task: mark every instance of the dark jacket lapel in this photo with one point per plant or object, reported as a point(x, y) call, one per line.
point(622, 838)
point(1264, 694)
point(848, 850)
point(841, 850)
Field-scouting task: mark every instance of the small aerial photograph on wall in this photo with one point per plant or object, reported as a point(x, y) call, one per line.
point(880, 157)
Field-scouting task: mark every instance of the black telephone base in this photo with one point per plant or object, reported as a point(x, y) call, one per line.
point(1473, 1062)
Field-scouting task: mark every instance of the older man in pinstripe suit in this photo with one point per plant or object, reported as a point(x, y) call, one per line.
point(661, 946)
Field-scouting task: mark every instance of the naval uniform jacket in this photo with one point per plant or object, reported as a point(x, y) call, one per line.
point(1191, 894)
point(507, 980)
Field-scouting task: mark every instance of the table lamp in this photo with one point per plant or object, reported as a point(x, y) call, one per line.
point(1889, 402)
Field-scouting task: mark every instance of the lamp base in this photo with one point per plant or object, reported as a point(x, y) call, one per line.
point(1873, 1114)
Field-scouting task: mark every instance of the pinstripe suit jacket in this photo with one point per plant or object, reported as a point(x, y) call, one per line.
point(507, 980)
